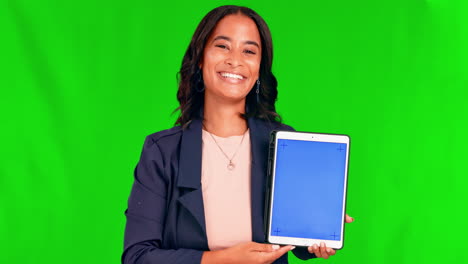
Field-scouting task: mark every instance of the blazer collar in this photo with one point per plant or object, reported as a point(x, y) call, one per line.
point(259, 135)
point(191, 156)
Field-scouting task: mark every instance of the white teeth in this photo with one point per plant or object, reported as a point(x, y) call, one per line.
point(231, 75)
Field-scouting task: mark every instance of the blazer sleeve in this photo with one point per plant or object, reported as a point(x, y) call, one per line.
point(303, 253)
point(146, 214)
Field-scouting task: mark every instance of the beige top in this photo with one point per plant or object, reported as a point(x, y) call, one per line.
point(226, 193)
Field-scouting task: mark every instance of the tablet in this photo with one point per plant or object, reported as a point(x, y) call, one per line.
point(306, 189)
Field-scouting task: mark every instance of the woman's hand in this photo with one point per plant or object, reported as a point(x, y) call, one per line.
point(322, 251)
point(249, 252)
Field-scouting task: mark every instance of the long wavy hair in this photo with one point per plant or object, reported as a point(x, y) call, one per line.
point(190, 98)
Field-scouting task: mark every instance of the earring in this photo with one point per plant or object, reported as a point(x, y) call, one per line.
point(258, 90)
point(199, 85)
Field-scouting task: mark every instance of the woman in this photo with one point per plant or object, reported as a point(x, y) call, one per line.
point(198, 193)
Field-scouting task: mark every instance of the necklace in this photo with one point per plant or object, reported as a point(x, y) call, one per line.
point(231, 164)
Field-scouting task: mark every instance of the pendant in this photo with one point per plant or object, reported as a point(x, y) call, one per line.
point(231, 166)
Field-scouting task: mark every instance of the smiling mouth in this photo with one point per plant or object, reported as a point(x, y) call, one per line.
point(232, 76)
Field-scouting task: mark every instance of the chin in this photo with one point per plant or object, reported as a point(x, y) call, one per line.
point(232, 97)
point(231, 93)
point(236, 94)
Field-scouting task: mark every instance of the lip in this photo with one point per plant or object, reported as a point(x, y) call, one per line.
point(231, 80)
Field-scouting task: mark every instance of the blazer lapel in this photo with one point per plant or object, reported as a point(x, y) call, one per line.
point(190, 172)
point(259, 135)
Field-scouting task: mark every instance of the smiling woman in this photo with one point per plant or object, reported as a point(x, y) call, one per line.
point(231, 62)
point(198, 194)
point(220, 37)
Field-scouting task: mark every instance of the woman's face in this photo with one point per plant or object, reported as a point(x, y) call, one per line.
point(231, 59)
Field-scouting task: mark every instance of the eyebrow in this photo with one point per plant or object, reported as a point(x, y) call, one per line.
point(249, 42)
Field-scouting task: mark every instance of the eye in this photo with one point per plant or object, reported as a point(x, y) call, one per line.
point(221, 46)
point(250, 52)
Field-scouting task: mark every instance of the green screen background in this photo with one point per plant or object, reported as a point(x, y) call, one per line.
point(83, 82)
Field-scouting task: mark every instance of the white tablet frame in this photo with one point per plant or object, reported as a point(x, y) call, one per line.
point(314, 137)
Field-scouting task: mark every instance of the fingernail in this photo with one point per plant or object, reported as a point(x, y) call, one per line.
point(275, 247)
point(322, 244)
point(293, 247)
point(328, 250)
point(315, 246)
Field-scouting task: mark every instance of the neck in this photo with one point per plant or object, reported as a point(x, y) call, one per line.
point(224, 120)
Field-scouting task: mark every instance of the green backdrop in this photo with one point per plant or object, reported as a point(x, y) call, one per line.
point(83, 83)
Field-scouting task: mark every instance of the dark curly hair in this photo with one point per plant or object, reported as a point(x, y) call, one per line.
point(191, 100)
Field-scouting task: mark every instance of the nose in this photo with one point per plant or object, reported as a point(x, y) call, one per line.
point(233, 59)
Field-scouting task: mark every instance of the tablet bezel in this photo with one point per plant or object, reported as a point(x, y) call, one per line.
point(305, 136)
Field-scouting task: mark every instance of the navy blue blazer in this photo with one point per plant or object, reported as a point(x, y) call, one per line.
point(165, 214)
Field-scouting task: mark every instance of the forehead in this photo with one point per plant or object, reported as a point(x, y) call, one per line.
point(237, 27)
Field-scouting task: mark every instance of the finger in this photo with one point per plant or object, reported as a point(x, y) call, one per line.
point(280, 252)
point(315, 250)
point(264, 247)
point(323, 250)
point(349, 219)
point(311, 249)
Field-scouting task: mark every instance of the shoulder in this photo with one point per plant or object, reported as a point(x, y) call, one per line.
point(165, 134)
point(272, 125)
point(285, 127)
point(164, 138)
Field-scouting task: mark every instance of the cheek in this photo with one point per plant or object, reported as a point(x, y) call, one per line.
point(254, 66)
point(211, 58)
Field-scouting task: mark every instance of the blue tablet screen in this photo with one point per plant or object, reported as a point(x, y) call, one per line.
point(309, 180)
